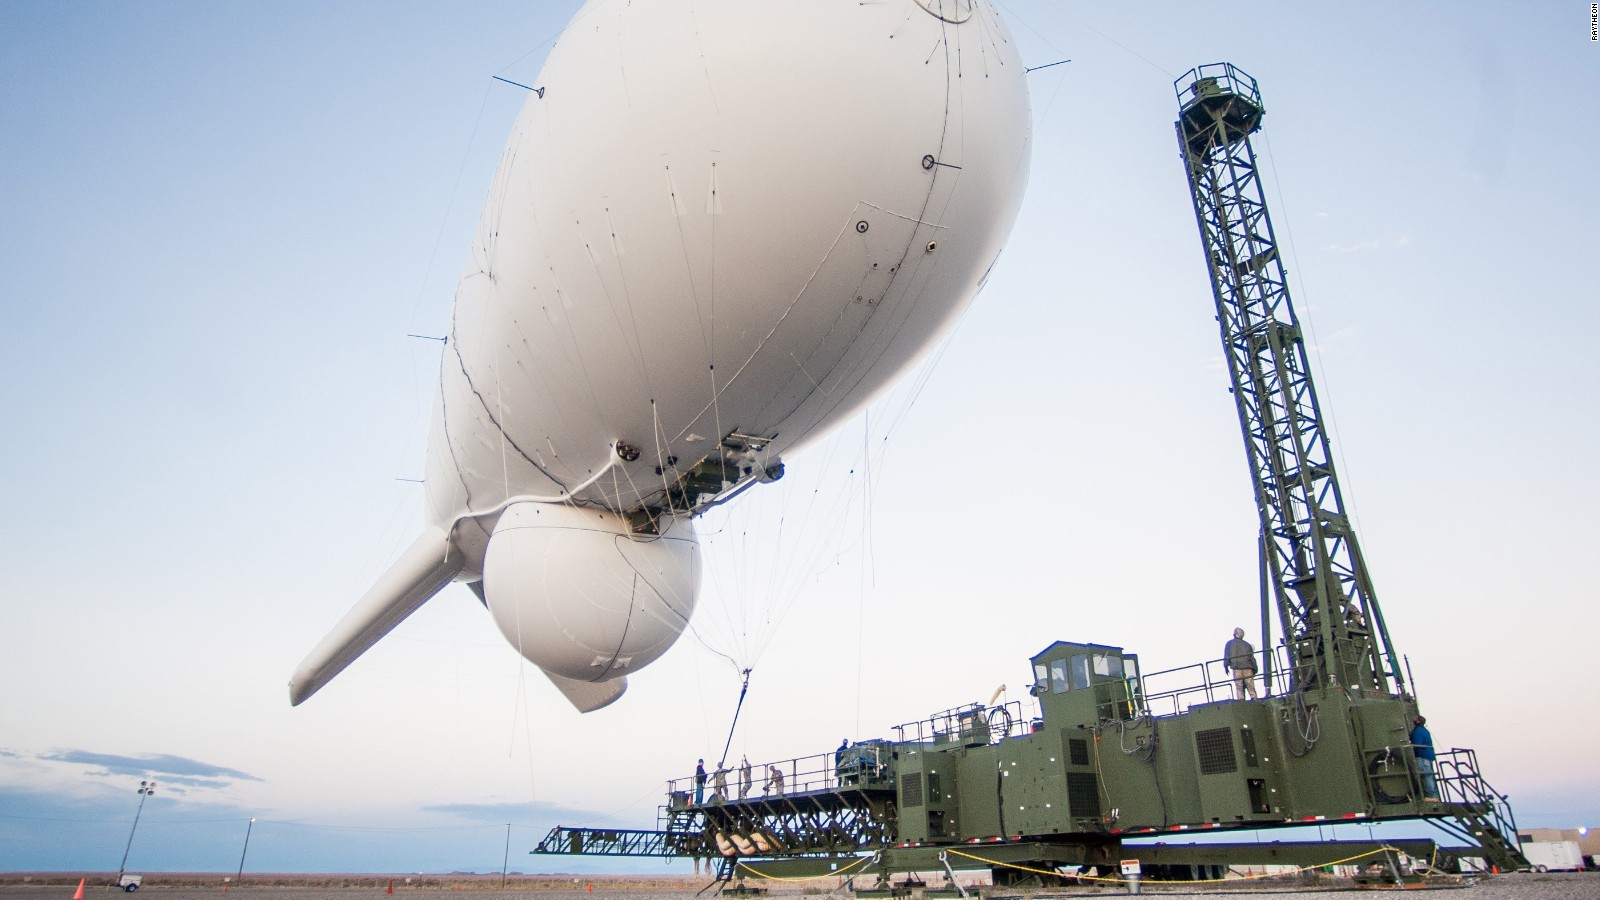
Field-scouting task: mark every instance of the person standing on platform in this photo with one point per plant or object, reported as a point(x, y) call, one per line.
point(1239, 657)
point(1422, 746)
point(744, 776)
point(700, 782)
point(720, 779)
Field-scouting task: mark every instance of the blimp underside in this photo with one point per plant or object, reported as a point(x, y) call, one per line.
point(719, 229)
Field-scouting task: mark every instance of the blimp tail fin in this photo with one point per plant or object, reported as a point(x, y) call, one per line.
point(422, 571)
point(589, 696)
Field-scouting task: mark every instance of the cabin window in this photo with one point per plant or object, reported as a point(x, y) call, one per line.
point(1058, 676)
point(1041, 675)
point(1108, 665)
point(1080, 671)
point(1130, 669)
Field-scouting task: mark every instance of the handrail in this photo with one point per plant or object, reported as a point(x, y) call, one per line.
point(1204, 682)
point(862, 764)
point(1172, 691)
point(1201, 81)
point(968, 724)
point(1456, 771)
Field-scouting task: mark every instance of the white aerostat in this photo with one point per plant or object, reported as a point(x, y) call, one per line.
point(719, 228)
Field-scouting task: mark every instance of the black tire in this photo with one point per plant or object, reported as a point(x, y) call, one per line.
point(130, 888)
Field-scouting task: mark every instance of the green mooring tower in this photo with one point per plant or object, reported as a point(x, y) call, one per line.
point(1312, 572)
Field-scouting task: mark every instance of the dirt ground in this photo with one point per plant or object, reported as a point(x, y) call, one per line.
point(61, 886)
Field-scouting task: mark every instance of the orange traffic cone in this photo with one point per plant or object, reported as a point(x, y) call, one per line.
point(79, 894)
point(391, 885)
point(591, 887)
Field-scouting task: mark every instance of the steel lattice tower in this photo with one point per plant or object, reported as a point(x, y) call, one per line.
point(1326, 608)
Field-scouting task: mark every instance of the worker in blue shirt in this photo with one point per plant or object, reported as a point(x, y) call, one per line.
point(1422, 745)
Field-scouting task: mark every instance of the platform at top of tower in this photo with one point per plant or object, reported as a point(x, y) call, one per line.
point(1218, 93)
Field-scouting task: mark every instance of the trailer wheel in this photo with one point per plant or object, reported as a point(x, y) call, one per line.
point(130, 888)
point(1541, 868)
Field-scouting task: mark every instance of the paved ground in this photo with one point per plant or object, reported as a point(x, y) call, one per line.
point(1553, 886)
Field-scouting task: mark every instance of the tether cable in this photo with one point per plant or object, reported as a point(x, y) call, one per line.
point(743, 689)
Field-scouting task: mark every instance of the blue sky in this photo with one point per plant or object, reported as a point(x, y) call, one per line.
point(220, 221)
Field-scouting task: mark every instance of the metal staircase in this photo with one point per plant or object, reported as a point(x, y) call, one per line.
point(1477, 813)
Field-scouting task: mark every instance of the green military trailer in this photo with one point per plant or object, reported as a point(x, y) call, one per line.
point(1109, 760)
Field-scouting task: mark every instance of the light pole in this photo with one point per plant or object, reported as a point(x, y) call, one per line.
point(146, 788)
point(506, 863)
point(247, 830)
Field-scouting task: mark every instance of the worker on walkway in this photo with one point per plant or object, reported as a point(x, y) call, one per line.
point(1239, 657)
point(1422, 745)
point(720, 780)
